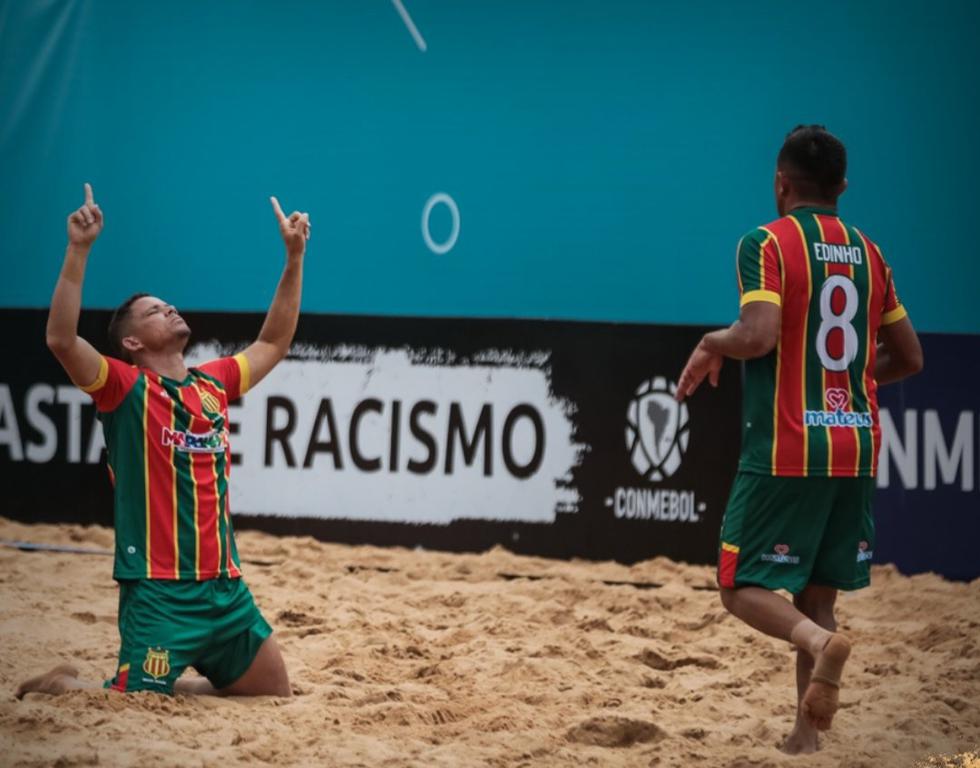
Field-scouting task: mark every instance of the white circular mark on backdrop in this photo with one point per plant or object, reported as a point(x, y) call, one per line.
point(432, 202)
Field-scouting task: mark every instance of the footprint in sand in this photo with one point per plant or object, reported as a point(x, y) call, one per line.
point(615, 732)
point(656, 661)
point(291, 618)
point(439, 717)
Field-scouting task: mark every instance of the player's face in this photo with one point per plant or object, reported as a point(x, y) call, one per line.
point(157, 325)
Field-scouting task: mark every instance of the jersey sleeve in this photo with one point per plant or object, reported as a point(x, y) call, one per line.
point(892, 311)
point(232, 372)
point(891, 308)
point(759, 277)
point(113, 383)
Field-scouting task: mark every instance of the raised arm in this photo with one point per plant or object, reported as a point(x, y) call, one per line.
point(280, 321)
point(79, 358)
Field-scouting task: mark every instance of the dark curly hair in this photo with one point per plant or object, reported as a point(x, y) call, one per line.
point(815, 159)
point(119, 326)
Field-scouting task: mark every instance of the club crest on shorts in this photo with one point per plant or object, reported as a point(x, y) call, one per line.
point(157, 663)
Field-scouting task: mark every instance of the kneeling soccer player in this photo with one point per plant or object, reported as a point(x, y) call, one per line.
point(182, 600)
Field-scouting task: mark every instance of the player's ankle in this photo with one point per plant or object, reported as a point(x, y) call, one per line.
point(810, 637)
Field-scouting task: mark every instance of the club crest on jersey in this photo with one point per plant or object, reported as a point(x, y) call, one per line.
point(209, 401)
point(837, 400)
point(214, 441)
point(157, 663)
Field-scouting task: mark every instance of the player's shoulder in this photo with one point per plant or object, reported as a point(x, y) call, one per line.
point(115, 380)
point(224, 371)
point(781, 227)
point(870, 244)
point(120, 368)
point(119, 363)
point(209, 369)
point(776, 228)
point(217, 364)
point(755, 238)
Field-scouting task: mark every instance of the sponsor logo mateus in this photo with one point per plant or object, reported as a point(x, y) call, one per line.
point(864, 554)
point(780, 554)
point(657, 437)
point(836, 416)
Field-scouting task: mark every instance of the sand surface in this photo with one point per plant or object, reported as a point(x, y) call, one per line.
point(407, 658)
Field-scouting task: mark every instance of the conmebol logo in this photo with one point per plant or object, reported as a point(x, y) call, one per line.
point(656, 429)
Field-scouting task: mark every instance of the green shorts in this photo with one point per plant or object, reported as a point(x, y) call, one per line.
point(166, 626)
point(788, 532)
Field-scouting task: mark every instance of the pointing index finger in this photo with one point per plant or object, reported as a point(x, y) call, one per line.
point(275, 207)
point(89, 197)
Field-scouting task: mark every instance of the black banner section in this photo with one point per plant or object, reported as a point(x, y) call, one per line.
point(559, 439)
point(927, 509)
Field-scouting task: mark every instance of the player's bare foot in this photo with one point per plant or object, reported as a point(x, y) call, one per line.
point(62, 678)
point(802, 740)
point(822, 697)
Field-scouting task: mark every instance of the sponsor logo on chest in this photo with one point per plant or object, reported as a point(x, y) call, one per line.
point(214, 441)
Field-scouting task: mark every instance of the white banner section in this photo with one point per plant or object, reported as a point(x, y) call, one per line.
point(404, 436)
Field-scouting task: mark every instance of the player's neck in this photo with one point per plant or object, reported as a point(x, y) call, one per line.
point(168, 364)
point(805, 203)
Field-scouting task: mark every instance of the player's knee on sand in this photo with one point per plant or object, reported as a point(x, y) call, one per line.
point(267, 675)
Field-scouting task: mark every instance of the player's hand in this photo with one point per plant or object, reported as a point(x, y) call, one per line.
point(295, 229)
point(701, 363)
point(85, 224)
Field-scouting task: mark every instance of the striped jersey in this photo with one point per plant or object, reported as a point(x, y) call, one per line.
point(810, 406)
point(170, 462)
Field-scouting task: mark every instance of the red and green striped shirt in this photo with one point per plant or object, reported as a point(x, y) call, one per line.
point(170, 462)
point(810, 407)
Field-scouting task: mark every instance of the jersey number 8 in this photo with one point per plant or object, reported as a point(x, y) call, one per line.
point(829, 320)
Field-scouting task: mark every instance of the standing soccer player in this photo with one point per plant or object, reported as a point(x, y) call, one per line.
point(182, 599)
point(820, 328)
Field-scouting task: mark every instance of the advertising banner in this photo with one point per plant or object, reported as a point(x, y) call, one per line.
point(560, 439)
point(553, 438)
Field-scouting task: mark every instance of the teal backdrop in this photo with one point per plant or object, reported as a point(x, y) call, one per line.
point(604, 157)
